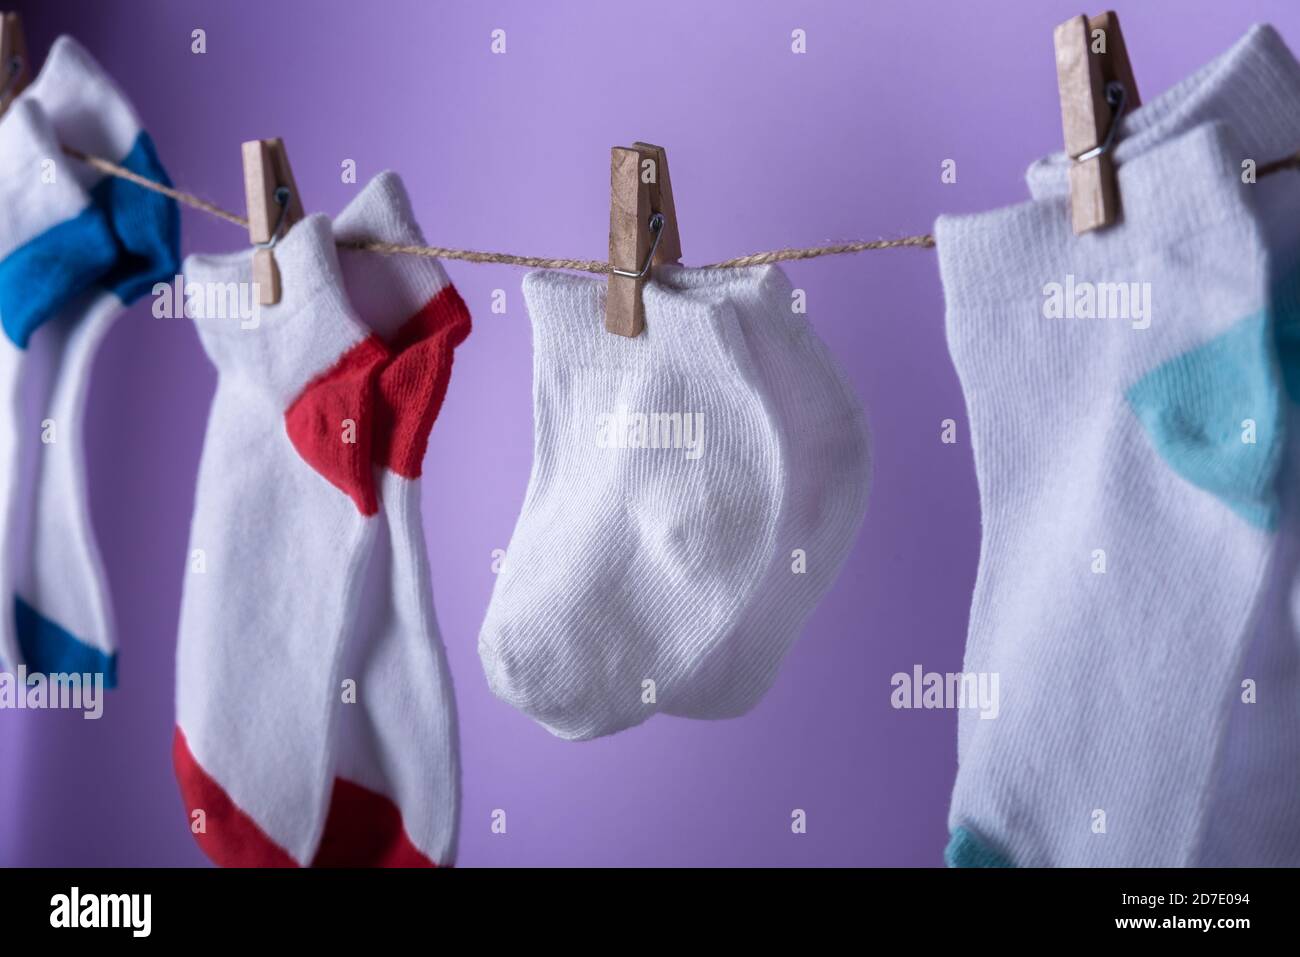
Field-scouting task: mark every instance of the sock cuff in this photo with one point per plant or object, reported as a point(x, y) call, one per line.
point(87, 111)
point(54, 243)
point(1256, 83)
point(1000, 260)
point(386, 290)
point(764, 287)
point(85, 106)
point(683, 333)
point(284, 346)
point(33, 199)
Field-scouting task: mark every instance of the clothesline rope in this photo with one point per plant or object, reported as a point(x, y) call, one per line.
point(925, 241)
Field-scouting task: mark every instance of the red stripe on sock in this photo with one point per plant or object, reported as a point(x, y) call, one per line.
point(414, 382)
point(315, 421)
point(364, 829)
point(230, 838)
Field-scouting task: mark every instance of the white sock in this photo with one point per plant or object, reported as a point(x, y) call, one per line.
point(827, 478)
point(1127, 527)
point(284, 526)
point(628, 565)
point(62, 607)
point(53, 245)
point(397, 794)
point(1254, 87)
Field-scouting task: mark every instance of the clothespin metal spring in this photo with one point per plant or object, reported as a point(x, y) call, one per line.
point(282, 196)
point(1116, 97)
point(656, 225)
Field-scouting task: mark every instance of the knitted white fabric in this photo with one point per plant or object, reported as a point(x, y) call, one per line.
point(64, 615)
point(400, 738)
point(278, 555)
point(827, 477)
point(1127, 523)
point(651, 514)
point(1254, 87)
point(85, 106)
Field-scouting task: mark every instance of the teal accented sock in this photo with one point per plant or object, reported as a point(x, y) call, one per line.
point(1215, 415)
point(966, 850)
point(1126, 420)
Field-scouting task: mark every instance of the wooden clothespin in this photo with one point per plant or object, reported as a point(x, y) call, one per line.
point(643, 231)
point(273, 206)
point(1097, 89)
point(15, 72)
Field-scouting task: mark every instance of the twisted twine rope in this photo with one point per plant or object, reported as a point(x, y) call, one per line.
point(112, 169)
point(468, 255)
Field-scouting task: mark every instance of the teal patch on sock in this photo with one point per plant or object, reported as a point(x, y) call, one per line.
point(1194, 407)
point(966, 850)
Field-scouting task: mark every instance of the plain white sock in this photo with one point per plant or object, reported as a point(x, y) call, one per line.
point(630, 563)
point(826, 484)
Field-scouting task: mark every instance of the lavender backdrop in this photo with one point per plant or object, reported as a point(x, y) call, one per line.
point(511, 152)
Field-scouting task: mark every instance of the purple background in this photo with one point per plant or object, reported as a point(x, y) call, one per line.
point(511, 152)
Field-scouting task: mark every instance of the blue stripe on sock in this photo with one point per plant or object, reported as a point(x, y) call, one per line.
point(125, 241)
point(147, 225)
point(966, 850)
point(51, 269)
point(51, 649)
